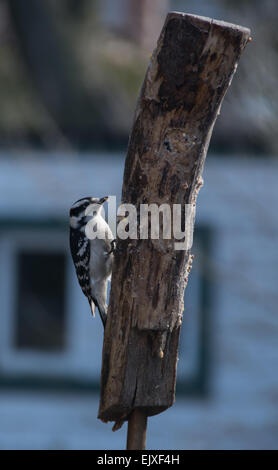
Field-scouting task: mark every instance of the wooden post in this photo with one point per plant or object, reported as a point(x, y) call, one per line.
point(186, 81)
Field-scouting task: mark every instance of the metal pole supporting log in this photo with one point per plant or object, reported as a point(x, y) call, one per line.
point(188, 76)
point(137, 430)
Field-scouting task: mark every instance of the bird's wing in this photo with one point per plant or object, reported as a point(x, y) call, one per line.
point(80, 251)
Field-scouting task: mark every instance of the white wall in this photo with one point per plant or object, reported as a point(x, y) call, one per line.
point(239, 201)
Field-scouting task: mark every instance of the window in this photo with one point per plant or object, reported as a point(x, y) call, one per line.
point(40, 305)
point(47, 334)
point(194, 349)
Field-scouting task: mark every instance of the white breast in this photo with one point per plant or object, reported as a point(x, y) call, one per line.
point(98, 232)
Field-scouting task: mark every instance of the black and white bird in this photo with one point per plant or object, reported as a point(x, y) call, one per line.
point(92, 246)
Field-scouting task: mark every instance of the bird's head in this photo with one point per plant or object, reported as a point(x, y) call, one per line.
point(83, 209)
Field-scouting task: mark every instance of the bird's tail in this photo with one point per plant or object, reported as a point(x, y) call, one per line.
point(101, 308)
point(93, 306)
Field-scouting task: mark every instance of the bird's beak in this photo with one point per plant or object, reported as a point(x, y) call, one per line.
point(102, 201)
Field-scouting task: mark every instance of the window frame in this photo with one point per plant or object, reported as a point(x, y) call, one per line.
point(33, 367)
point(198, 382)
point(65, 369)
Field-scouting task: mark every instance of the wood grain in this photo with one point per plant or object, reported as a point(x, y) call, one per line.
point(188, 76)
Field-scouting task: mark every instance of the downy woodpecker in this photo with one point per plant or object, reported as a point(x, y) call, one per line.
point(92, 256)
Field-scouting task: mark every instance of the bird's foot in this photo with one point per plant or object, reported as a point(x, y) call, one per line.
point(113, 247)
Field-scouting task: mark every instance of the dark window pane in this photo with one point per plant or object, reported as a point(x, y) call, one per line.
point(40, 306)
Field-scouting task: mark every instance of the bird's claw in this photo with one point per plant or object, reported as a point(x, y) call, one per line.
point(113, 247)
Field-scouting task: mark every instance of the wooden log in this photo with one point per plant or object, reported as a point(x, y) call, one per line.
point(188, 76)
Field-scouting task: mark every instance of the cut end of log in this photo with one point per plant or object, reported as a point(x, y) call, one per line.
point(206, 20)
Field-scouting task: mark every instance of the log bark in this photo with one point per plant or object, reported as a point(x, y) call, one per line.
point(188, 76)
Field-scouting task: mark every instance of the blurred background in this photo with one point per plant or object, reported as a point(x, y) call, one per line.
point(70, 75)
